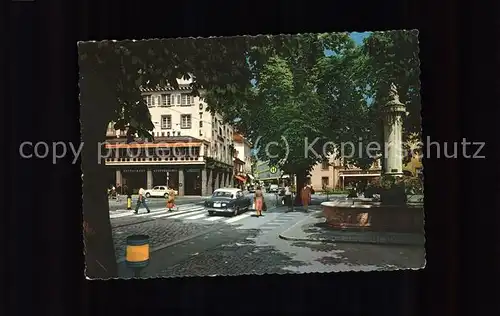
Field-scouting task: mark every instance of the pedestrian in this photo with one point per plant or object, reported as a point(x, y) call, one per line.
point(128, 193)
point(306, 195)
point(141, 200)
point(259, 201)
point(118, 192)
point(171, 200)
point(288, 196)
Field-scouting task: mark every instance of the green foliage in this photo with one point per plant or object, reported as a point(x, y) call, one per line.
point(393, 58)
point(299, 93)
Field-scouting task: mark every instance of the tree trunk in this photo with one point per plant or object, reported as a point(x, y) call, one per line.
point(96, 109)
point(100, 250)
point(301, 180)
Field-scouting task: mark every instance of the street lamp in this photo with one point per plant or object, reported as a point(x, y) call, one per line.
point(137, 253)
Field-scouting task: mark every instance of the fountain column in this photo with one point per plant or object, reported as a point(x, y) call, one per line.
point(394, 112)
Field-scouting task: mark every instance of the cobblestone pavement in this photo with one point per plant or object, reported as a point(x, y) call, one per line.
point(160, 232)
point(258, 252)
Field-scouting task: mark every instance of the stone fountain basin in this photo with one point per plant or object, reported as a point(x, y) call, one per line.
point(365, 215)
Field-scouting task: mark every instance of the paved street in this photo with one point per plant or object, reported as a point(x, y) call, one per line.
point(189, 242)
point(115, 205)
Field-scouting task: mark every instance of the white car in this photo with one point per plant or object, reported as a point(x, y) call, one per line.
point(159, 191)
point(273, 188)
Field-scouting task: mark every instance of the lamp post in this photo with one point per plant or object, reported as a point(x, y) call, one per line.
point(137, 253)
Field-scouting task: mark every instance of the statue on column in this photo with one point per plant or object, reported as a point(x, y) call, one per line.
point(393, 94)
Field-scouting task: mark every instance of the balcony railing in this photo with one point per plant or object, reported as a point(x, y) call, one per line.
point(154, 160)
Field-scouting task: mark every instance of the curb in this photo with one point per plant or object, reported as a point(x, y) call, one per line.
point(347, 239)
point(351, 240)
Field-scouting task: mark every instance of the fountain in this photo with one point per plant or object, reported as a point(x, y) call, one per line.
point(392, 213)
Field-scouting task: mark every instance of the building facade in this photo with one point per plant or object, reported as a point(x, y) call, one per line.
point(243, 161)
point(192, 151)
point(332, 173)
point(243, 150)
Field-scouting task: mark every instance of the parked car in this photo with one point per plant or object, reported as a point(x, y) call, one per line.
point(229, 201)
point(159, 191)
point(273, 188)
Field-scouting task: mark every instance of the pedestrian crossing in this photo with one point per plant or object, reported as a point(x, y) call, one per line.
point(189, 212)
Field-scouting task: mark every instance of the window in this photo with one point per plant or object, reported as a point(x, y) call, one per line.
point(325, 165)
point(201, 115)
point(201, 133)
point(325, 181)
point(186, 121)
point(186, 99)
point(201, 124)
point(178, 133)
point(166, 121)
point(162, 134)
point(178, 99)
point(172, 99)
point(165, 99)
point(147, 99)
point(153, 100)
point(201, 106)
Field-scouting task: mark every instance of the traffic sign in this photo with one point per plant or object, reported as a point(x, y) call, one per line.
point(273, 169)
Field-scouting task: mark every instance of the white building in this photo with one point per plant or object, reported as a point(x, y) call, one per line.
point(181, 124)
point(244, 152)
point(242, 159)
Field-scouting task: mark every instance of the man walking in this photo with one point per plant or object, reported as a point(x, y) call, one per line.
point(141, 200)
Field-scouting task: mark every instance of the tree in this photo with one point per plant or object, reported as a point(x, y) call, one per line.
point(286, 105)
point(393, 58)
point(111, 74)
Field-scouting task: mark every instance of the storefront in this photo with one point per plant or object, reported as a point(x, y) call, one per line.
point(192, 181)
point(185, 179)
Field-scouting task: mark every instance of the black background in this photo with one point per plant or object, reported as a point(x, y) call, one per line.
point(42, 250)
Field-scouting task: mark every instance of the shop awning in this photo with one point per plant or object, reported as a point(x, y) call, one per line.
point(240, 178)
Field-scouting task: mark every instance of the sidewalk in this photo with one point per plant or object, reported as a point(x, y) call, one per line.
point(313, 229)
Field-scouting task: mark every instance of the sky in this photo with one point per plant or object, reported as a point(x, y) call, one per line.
point(356, 36)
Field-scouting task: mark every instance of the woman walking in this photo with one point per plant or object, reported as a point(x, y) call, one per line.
point(259, 201)
point(306, 195)
point(171, 200)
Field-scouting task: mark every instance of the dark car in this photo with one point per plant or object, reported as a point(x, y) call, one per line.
point(227, 201)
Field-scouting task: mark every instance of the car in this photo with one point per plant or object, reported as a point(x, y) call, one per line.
point(273, 188)
point(228, 201)
point(159, 191)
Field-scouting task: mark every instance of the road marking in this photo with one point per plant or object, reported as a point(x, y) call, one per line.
point(152, 213)
point(188, 213)
point(237, 218)
point(121, 214)
point(197, 216)
point(214, 218)
point(178, 214)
